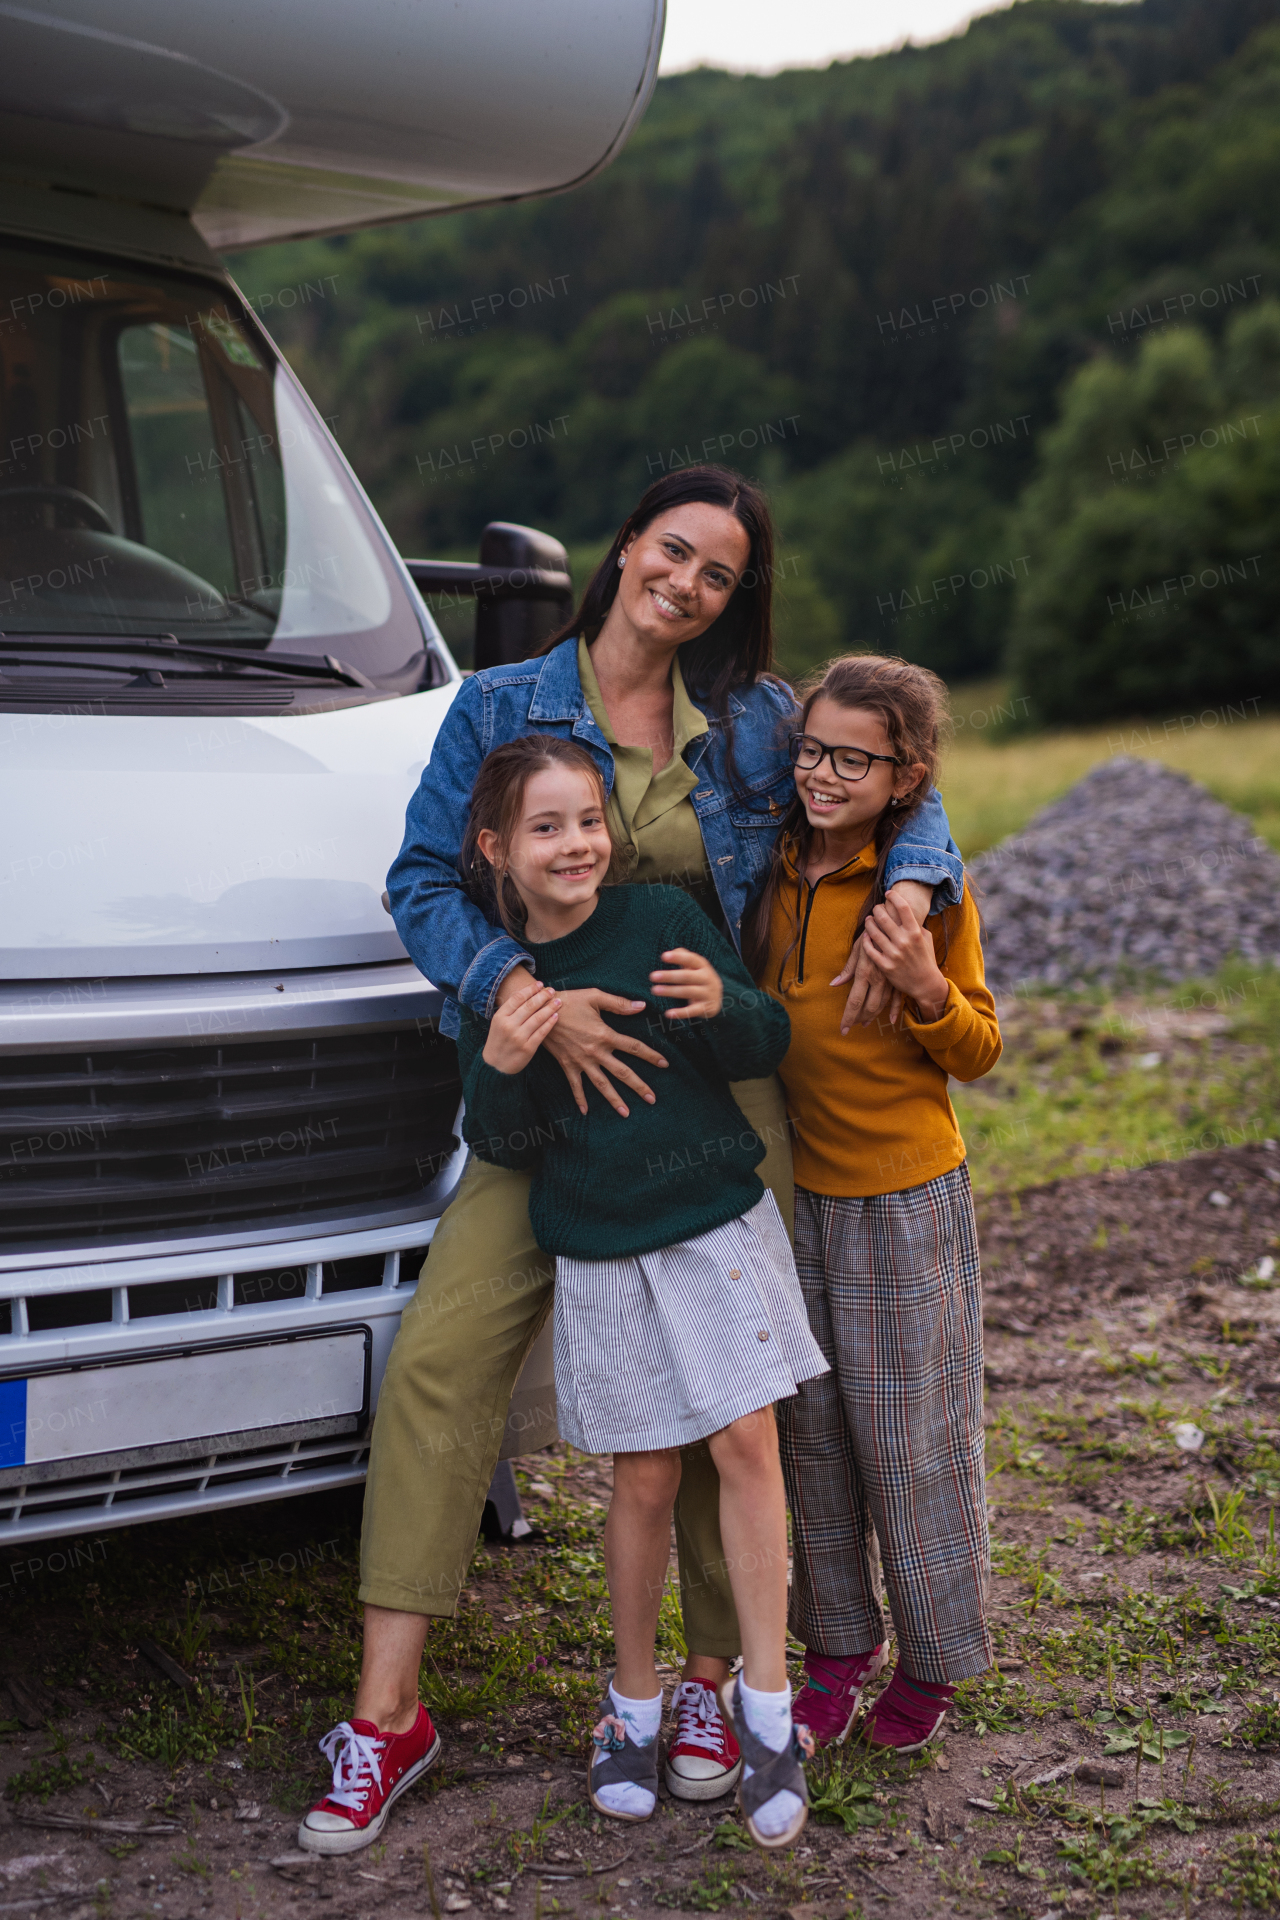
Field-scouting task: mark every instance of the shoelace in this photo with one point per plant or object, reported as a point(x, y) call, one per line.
point(695, 1725)
point(357, 1764)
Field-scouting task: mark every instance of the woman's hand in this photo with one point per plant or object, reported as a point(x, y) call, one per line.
point(904, 954)
point(695, 981)
point(519, 1027)
point(583, 1043)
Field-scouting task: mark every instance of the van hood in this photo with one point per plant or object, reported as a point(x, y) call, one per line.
point(134, 845)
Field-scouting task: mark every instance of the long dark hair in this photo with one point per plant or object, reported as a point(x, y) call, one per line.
point(737, 648)
point(912, 703)
point(497, 799)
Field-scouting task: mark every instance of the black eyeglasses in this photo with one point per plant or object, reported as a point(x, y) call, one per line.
point(850, 763)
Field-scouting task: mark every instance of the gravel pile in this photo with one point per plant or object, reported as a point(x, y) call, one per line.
point(1136, 872)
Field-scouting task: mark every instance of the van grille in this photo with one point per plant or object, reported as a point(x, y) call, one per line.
point(122, 1142)
point(114, 1497)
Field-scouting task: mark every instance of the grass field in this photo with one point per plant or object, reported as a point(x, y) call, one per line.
point(1091, 1085)
point(994, 779)
point(1088, 1083)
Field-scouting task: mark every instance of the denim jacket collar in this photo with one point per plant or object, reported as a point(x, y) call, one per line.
point(558, 694)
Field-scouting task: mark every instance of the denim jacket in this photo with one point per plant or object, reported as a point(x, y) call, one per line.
point(446, 934)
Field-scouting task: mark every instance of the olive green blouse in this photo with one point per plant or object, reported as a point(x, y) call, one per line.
point(650, 812)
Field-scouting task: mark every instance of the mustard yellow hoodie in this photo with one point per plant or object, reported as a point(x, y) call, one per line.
point(870, 1108)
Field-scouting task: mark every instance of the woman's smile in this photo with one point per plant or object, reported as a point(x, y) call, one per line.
point(667, 608)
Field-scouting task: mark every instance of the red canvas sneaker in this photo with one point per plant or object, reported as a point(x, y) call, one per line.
point(703, 1760)
point(828, 1701)
point(370, 1772)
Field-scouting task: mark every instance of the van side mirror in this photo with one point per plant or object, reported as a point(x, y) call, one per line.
point(521, 587)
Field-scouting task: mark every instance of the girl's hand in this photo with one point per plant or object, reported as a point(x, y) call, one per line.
point(870, 993)
point(904, 954)
point(519, 1028)
point(695, 981)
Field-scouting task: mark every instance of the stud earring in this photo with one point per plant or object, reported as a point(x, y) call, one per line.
point(622, 560)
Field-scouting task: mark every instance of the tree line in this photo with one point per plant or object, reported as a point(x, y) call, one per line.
point(993, 320)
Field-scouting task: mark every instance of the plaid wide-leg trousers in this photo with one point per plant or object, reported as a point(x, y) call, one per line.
point(888, 1446)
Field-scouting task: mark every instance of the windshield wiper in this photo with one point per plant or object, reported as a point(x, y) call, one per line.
point(286, 666)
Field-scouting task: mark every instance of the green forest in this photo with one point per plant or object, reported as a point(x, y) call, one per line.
point(997, 322)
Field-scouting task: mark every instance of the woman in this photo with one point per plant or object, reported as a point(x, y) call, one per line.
point(664, 677)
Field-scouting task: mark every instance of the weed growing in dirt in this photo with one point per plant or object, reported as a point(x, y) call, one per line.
point(843, 1789)
point(715, 1888)
point(189, 1861)
point(1031, 1570)
point(990, 1704)
point(161, 1734)
point(192, 1635)
point(52, 1774)
point(527, 1847)
point(1134, 1532)
point(457, 1696)
point(1251, 1871)
point(1221, 1525)
point(728, 1834)
point(1104, 1863)
point(1126, 1733)
point(1012, 1857)
point(1261, 1725)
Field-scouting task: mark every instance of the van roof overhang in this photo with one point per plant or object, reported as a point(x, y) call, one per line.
point(330, 117)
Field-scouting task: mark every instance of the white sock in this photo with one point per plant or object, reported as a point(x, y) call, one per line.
point(642, 1719)
point(769, 1717)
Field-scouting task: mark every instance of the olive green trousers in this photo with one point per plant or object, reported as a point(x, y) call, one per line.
point(485, 1291)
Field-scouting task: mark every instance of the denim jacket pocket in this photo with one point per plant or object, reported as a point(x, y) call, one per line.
point(755, 820)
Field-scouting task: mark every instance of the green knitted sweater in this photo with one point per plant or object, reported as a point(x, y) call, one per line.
point(605, 1187)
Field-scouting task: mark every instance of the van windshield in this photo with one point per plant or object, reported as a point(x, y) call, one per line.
point(161, 478)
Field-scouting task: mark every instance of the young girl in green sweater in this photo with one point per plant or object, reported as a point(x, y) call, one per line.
point(679, 1316)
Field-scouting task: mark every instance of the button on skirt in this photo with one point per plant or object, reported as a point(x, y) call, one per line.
point(661, 1349)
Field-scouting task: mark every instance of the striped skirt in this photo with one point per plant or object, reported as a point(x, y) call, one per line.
point(665, 1348)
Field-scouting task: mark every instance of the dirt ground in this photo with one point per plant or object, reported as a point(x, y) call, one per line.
point(1123, 1757)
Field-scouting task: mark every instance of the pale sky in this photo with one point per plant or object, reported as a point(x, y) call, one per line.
point(761, 35)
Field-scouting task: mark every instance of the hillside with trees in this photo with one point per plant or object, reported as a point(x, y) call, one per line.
point(994, 320)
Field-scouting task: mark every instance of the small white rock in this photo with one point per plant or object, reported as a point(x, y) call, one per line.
point(456, 1903)
point(29, 1863)
point(1149, 1059)
point(248, 1810)
point(1219, 1199)
point(1187, 1436)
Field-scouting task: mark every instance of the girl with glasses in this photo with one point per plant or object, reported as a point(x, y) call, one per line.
point(890, 1441)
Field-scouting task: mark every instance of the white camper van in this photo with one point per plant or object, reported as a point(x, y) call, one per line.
point(227, 1122)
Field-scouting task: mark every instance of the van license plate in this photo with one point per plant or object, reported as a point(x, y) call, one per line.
point(209, 1392)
